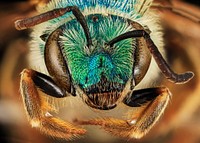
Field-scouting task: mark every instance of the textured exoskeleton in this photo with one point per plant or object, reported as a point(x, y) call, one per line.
point(103, 51)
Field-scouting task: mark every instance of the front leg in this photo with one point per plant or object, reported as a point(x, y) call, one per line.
point(151, 102)
point(38, 110)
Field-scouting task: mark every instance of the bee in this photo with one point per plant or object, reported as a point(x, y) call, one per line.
point(104, 52)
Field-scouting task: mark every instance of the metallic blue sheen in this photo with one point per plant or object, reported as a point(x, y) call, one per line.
point(87, 68)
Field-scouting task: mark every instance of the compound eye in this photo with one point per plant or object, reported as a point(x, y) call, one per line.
point(142, 58)
point(56, 62)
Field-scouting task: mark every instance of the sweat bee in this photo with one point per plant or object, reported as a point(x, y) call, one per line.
point(103, 52)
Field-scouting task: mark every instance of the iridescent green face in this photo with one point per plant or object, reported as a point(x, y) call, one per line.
point(89, 65)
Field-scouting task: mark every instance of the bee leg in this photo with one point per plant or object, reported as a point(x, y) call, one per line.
point(151, 102)
point(37, 108)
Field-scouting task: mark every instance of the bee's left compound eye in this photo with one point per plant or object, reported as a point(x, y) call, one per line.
point(142, 59)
